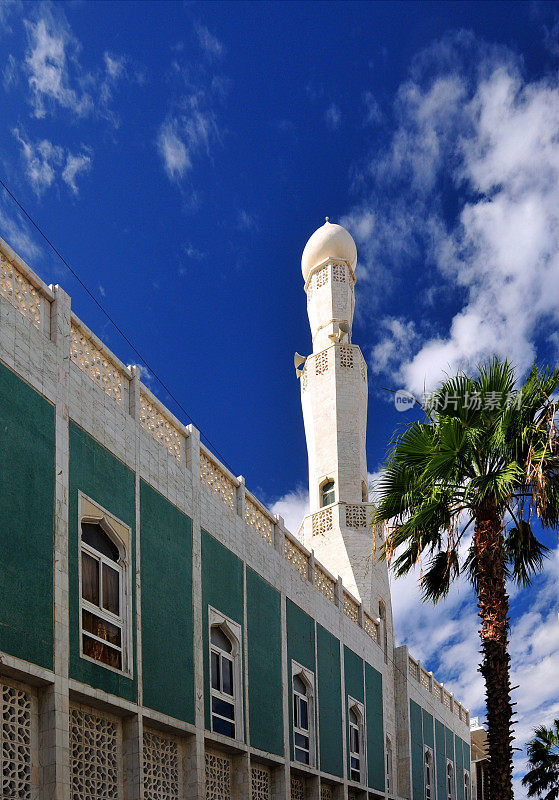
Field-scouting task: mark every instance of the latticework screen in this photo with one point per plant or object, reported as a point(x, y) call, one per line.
point(15, 742)
point(260, 782)
point(95, 754)
point(161, 767)
point(218, 777)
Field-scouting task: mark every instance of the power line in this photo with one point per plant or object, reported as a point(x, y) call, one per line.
point(115, 324)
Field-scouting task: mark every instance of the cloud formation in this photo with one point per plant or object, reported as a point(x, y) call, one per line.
point(51, 49)
point(45, 161)
point(190, 128)
point(333, 116)
point(209, 43)
point(488, 138)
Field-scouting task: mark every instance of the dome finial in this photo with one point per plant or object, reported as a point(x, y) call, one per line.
point(329, 241)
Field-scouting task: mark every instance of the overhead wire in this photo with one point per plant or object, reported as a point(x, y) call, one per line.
point(113, 322)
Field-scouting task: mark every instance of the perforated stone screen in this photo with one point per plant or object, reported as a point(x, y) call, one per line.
point(95, 754)
point(161, 767)
point(218, 777)
point(326, 792)
point(297, 788)
point(19, 292)
point(339, 272)
point(261, 783)
point(15, 743)
point(346, 357)
point(93, 362)
point(321, 362)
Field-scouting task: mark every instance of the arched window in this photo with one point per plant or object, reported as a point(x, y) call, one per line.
point(102, 595)
point(327, 493)
point(449, 780)
point(364, 492)
point(303, 714)
point(428, 773)
point(301, 724)
point(467, 794)
point(223, 679)
point(388, 764)
point(356, 740)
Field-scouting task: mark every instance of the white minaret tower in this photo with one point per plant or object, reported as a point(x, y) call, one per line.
point(334, 399)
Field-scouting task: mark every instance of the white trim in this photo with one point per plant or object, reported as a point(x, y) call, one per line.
point(124, 622)
point(468, 794)
point(359, 708)
point(428, 788)
point(452, 794)
point(233, 630)
point(307, 676)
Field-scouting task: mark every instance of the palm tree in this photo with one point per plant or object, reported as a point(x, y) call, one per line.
point(486, 455)
point(543, 755)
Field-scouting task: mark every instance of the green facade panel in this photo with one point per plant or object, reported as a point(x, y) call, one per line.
point(428, 733)
point(107, 481)
point(353, 671)
point(375, 728)
point(458, 749)
point(264, 664)
point(449, 739)
point(167, 618)
point(440, 758)
point(329, 702)
point(27, 475)
point(300, 648)
point(222, 588)
point(416, 751)
point(354, 687)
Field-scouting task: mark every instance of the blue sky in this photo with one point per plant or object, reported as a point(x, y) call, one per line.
point(180, 155)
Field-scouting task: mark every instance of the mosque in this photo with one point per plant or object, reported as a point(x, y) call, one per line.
point(162, 634)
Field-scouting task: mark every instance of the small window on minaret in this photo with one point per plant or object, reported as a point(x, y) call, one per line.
point(364, 492)
point(328, 493)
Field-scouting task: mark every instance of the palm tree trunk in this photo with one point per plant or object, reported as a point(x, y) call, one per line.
point(493, 611)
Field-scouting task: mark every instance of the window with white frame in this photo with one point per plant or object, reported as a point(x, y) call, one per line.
point(449, 780)
point(467, 793)
point(356, 718)
point(388, 764)
point(303, 714)
point(428, 774)
point(103, 608)
point(225, 675)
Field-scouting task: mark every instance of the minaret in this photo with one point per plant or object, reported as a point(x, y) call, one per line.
point(334, 400)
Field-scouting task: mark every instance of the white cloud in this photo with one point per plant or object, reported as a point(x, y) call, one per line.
point(41, 161)
point(182, 135)
point(44, 161)
point(292, 506)
point(115, 65)
point(491, 138)
point(7, 8)
point(74, 166)
point(333, 116)
point(51, 47)
point(173, 150)
point(55, 76)
point(400, 337)
point(16, 234)
point(209, 43)
point(10, 74)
